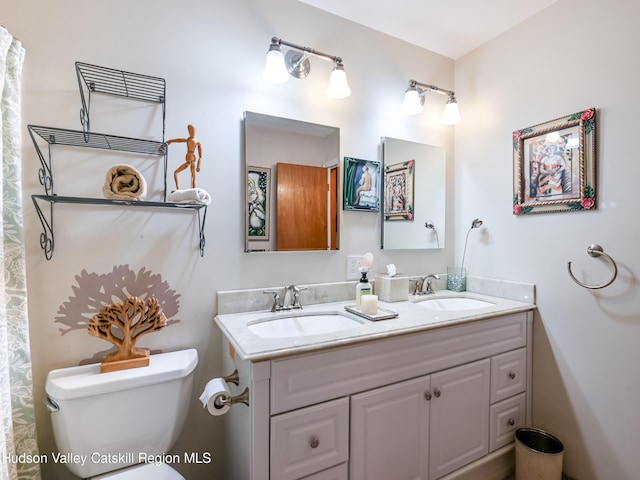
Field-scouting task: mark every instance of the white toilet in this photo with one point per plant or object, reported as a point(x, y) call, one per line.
point(121, 425)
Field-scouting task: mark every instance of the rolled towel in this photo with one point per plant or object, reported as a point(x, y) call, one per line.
point(124, 182)
point(190, 195)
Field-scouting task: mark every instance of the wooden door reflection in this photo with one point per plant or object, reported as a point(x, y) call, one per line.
point(302, 211)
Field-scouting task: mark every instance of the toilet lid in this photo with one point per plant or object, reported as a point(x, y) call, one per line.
point(147, 471)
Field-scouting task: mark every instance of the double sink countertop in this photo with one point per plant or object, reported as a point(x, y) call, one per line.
point(417, 313)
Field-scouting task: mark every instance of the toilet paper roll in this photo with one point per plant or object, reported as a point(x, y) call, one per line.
point(215, 389)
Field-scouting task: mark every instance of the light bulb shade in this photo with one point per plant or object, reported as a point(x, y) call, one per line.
point(275, 70)
point(451, 115)
point(338, 86)
point(412, 104)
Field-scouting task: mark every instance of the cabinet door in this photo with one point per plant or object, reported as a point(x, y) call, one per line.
point(390, 432)
point(459, 431)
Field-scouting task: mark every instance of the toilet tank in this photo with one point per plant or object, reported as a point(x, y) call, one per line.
point(105, 421)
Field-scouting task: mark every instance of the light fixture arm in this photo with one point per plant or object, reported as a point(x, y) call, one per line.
point(429, 88)
point(307, 51)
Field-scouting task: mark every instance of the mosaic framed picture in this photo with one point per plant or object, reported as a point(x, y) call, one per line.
point(258, 199)
point(554, 165)
point(398, 191)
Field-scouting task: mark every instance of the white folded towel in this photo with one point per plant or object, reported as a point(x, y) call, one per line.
point(124, 182)
point(190, 195)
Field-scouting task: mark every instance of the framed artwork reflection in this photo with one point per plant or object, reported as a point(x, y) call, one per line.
point(258, 198)
point(554, 165)
point(398, 191)
point(361, 185)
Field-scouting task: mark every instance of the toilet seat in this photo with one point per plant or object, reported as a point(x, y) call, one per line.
point(147, 471)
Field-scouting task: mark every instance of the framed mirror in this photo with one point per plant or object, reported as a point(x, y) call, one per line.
point(292, 185)
point(413, 197)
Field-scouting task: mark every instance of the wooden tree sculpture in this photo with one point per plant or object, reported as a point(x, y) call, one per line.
point(123, 324)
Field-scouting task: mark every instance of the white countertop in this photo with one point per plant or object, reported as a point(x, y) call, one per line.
point(411, 318)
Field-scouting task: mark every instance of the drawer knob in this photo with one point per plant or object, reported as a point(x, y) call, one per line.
point(437, 393)
point(427, 396)
point(512, 375)
point(511, 422)
point(314, 442)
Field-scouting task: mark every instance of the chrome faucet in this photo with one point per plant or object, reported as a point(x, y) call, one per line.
point(279, 301)
point(427, 283)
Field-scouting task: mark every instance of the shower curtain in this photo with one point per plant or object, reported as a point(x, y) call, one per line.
point(19, 458)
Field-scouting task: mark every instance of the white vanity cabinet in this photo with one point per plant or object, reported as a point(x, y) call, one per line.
point(438, 403)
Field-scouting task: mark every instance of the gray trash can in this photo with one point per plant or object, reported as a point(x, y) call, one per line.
point(538, 455)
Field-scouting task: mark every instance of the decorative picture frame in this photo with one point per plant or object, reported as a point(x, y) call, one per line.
point(554, 165)
point(361, 185)
point(399, 182)
point(258, 199)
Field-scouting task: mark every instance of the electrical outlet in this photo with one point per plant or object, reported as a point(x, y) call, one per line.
point(353, 265)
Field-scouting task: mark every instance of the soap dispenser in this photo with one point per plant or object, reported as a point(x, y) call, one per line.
point(363, 287)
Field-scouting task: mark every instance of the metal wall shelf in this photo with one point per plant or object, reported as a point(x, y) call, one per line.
point(109, 81)
point(47, 239)
point(78, 138)
point(119, 83)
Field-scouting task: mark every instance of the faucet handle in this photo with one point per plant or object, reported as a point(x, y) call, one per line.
point(413, 285)
point(428, 279)
point(276, 300)
point(295, 303)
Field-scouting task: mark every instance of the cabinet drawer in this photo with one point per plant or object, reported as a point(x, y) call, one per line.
point(508, 374)
point(505, 418)
point(307, 379)
point(309, 440)
point(340, 472)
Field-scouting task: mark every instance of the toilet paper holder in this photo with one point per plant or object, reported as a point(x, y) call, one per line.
point(223, 401)
point(232, 377)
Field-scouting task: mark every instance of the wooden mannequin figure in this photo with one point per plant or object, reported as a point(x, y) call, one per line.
point(190, 159)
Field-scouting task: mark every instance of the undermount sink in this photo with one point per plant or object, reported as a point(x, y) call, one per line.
point(303, 324)
point(452, 304)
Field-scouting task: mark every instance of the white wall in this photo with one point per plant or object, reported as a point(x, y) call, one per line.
point(211, 54)
point(572, 56)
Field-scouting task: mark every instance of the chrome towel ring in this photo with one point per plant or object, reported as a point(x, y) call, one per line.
point(596, 251)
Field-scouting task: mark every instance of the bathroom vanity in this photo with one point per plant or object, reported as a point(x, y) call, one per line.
point(433, 393)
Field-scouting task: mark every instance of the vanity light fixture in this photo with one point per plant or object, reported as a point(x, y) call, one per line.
point(279, 67)
point(414, 100)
